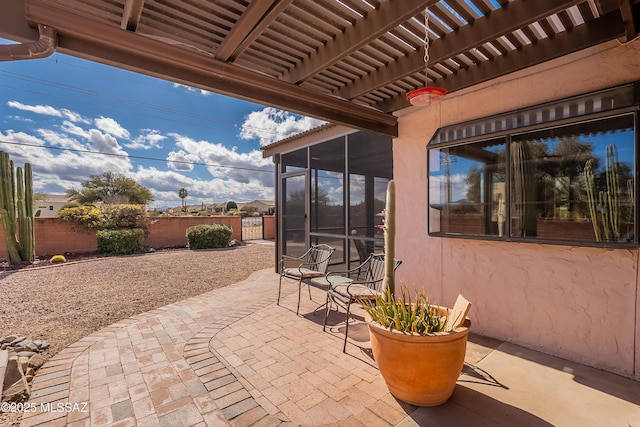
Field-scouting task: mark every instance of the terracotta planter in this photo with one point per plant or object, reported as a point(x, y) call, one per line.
point(419, 369)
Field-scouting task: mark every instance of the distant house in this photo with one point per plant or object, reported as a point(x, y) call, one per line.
point(49, 205)
point(260, 206)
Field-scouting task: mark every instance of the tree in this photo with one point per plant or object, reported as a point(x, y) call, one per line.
point(111, 188)
point(231, 205)
point(183, 193)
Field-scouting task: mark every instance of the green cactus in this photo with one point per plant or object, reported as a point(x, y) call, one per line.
point(524, 187)
point(389, 239)
point(16, 211)
point(605, 210)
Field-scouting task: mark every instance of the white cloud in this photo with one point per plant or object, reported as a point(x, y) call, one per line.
point(74, 117)
point(270, 125)
point(234, 166)
point(232, 175)
point(192, 89)
point(47, 110)
point(110, 126)
point(181, 160)
point(74, 129)
point(148, 139)
point(166, 184)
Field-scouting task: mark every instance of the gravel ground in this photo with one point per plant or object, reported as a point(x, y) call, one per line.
point(66, 302)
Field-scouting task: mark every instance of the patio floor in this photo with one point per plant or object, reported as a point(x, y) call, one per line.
point(233, 357)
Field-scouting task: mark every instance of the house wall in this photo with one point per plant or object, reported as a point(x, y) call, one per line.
point(574, 302)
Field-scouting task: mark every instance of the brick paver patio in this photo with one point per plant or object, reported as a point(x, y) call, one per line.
point(233, 357)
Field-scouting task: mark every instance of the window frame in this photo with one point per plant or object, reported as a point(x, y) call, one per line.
point(507, 135)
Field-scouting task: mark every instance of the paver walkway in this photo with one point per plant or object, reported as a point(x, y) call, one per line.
point(233, 357)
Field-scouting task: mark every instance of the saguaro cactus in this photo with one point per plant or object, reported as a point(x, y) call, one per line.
point(604, 206)
point(389, 239)
point(16, 208)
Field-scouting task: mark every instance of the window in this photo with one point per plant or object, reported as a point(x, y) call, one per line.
point(569, 182)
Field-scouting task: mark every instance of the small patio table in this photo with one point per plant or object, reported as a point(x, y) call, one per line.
point(323, 282)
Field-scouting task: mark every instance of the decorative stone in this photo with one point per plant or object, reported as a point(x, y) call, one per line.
point(41, 344)
point(36, 361)
point(17, 392)
point(17, 340)
point(12, 374)
point(26, 354)
point(8, 339)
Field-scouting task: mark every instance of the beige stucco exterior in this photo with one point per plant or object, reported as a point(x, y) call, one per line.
point(574, 302)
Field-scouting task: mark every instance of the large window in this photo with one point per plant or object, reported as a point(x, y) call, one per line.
point(569, 182)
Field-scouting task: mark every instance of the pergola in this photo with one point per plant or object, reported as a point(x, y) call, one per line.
point(349, 62)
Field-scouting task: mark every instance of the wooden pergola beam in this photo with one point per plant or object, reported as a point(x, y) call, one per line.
point(376, 23)
point(100, 42)
point(498, 23)
point(600, 30)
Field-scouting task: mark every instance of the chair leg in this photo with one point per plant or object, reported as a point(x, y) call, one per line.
point(346, 331)
point(279, 288)
point(309, 288)
point(326, 313)
point(299, 292)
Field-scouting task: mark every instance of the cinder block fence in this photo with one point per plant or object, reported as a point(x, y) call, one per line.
point(57, 237)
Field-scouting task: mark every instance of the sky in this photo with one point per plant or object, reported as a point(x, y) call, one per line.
point(72, 118)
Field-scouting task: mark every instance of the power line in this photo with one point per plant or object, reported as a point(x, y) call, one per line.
point(128, 156)
point(102, 95)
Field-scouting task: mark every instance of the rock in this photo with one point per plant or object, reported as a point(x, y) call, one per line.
point(36, 361)
point(41, 344)
point(8, 339)
point(26, 354)
point(12, 374)
point(26, 345)
point(17, 340)
point(23, 362)
point(17, 392)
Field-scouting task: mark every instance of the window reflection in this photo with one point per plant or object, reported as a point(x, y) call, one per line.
point(567, 183)
point(467, 188)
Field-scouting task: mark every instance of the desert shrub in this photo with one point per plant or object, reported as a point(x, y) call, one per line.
point(70, 205)
point(57, 259)
point(123, 216)
point(82, 218)
point(104, 217)
point(121, 242)
point(208, 236)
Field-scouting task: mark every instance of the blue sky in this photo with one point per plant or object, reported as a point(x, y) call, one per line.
point(58, 112)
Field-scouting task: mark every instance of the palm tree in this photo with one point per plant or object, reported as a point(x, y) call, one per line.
point(183, 193)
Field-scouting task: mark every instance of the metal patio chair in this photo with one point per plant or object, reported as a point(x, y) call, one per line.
point(366, 283)
point(307, 266)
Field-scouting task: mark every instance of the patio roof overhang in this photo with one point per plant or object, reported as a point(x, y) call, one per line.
point(349, 62)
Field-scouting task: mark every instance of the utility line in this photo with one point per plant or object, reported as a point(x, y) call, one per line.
point(128, 156)
point(121, 99)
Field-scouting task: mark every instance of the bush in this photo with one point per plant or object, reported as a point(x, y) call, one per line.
point(57, 259)
point(82, 218)
point(104, 217)
point(208, 236)
point(117, 217)
point(121, 242)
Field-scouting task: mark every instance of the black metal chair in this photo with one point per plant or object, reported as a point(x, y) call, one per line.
point(307, 266)
point(366, 285)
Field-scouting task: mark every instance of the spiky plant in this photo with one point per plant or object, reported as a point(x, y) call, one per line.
point(404, 315)
point(16, 211)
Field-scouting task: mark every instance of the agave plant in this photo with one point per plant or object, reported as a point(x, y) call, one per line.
point(405, 315)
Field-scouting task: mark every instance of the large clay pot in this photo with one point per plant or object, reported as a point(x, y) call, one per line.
point(419, 369)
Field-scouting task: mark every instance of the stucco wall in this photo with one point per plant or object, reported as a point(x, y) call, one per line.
point(56, 237)
point(577, 303)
